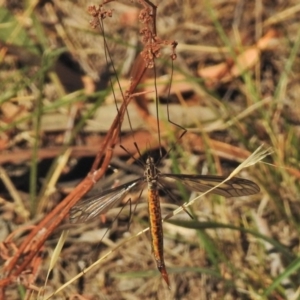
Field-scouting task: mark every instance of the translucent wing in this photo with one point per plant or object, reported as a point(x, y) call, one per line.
point(234, 187)
point(89, 208)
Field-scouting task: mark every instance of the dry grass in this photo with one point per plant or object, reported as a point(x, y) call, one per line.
point(54, 78)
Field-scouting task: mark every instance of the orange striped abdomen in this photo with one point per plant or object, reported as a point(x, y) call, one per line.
point(156, 231)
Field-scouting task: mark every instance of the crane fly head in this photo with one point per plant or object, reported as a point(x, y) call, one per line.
point(149, 161)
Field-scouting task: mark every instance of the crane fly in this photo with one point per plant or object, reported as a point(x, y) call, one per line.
point(88, 209)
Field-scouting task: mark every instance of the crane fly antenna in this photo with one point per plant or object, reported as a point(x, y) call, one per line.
point(137, 149)
point(166, 154)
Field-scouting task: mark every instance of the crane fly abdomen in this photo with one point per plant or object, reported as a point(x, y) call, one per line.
point(155, 219)
point(156, 232)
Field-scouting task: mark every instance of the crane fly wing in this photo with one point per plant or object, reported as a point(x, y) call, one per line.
point(234, 187)
point(88, 209)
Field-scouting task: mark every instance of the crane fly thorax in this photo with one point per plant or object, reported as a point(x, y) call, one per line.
point(151, 173)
